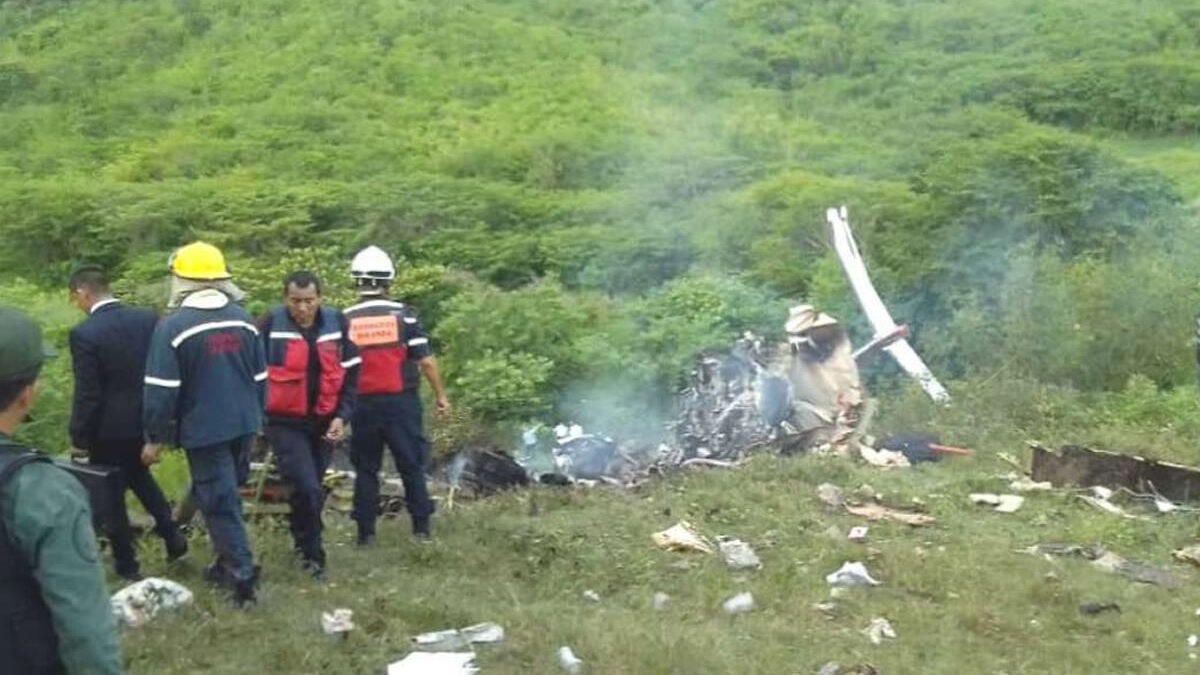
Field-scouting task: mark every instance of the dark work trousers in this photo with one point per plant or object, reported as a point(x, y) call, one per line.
point(397, 423)
point(302, 454)
point(217, 472)
point(126, 455)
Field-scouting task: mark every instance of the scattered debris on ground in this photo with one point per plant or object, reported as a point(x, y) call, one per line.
point(851, 574)
point(833, 668)
point(1001, 503)
point(429, 663)
point(338, 622)
point(591, 596)
point(1095, 608)
point(1189, 554)
point(661, 601)
point(137, 604)
point(880, 629)
point(1083, 467)
point(1020, 483)
point(682, 537)
point(459, 640)
point(569, 661)
point(738, 555)
point(1109, 562)
point(739, 604)
point(921, 447)
point(876, 512)
point(857, 535)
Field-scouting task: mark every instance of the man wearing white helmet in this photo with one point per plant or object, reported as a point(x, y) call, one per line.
point(395, 353)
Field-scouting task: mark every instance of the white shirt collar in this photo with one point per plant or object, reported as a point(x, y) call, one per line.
point(103, 303)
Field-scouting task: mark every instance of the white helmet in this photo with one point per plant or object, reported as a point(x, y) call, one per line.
point(372, 263)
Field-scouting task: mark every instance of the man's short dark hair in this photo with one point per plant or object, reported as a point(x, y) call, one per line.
point(91, 279)
point(302, 279)
point(11, 388)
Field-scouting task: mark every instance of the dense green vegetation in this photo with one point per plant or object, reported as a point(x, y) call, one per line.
point(585, 193)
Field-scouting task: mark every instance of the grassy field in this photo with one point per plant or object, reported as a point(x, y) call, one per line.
point(959, 595)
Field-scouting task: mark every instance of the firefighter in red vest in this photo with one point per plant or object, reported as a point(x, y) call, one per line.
point(395, 353)
point(312, 377)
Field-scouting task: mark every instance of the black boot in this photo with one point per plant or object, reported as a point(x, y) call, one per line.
point(177, 548)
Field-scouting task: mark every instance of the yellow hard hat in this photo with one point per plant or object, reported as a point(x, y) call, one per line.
point(199, 262)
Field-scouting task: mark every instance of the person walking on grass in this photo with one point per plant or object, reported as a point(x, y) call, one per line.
point(205, 387)
point(55, 615)
point(312, 370)
point(108, 355)
point(395, 352)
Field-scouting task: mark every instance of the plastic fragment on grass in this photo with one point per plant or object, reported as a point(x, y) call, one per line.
point(440, 663)
point(1190, 554)
point(851, 574)
point(682, 537)
point(880, 629)
point(1001, 503)
point(738, 555)
point(739, 604)
point(591, 596)
point(569, 661)
point(459, 640)
point(137, 604)
point(857, 534)
point(337, 622)
point(661, 601)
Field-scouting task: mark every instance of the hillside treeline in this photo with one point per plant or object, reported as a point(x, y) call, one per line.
point(584, 194)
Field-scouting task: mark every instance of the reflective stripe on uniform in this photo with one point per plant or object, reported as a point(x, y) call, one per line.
point(260, 377)
point(416, 342)
point(159, 382)
point(330, 336)
point(352, 362)
point(215, 325)
point(374, 303)
point(284, 335)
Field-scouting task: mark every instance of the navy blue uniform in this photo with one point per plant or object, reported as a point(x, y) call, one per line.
point(313, 376)
point(108, 354)
point(391, 344)
point(205, 390)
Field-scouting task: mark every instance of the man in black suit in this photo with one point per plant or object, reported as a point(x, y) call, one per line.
point(109, 351)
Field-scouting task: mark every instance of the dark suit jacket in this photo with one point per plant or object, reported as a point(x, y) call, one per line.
point(109, 352)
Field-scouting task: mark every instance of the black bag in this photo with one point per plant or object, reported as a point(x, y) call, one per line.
point(106, 490)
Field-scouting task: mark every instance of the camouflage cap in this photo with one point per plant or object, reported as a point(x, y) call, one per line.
point(21, 346)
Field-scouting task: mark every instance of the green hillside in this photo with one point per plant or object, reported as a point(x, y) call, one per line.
point(578, 189)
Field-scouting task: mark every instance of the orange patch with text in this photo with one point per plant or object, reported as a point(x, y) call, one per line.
point(370, 331)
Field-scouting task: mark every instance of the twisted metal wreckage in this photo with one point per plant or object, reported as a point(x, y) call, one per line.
point(799, 395)
point(803, 394)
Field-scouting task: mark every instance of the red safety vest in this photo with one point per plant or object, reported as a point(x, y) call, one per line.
point(377, 329)
point(287, 367)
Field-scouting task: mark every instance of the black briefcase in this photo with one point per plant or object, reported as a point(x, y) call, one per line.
point(106, 490)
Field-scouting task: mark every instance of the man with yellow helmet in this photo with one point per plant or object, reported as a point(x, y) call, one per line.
point(204, 391)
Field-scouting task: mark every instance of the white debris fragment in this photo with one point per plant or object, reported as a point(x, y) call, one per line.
point(880, 629)
point(337, 622)
point(851, 574)
point(739, 604)
point(458, 640)
point(682, 537)
point(443, 663)
point(661, 601)
point(1101, 492)
point(136, 604)
point(885, 459)
point(569, 661)
point(484, 633)
point(591, 596)
point(1001, 503)
point(1026, 484)
point(738, 555)
point(858, 534)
